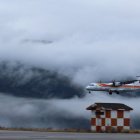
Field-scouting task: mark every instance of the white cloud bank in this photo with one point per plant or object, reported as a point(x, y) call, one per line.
point(91, 41)
point(57, 113)
point(97, 39)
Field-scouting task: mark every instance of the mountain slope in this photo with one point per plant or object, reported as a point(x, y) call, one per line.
point(21, 81)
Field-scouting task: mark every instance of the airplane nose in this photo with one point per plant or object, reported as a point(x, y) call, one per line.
point(87, 87)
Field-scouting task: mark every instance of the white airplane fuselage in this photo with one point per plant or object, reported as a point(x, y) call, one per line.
point(110, 88)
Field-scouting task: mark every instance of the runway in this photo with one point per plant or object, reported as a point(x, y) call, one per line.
point(33, 135)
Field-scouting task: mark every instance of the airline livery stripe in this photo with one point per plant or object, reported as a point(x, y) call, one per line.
point(124, 86)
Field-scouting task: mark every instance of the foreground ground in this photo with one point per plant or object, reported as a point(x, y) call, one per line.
point(32, 135)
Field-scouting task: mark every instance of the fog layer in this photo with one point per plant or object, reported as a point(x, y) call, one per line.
point(99, 40)
point(86, 41)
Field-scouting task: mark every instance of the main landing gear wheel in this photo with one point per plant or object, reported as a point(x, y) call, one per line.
point(110, 92)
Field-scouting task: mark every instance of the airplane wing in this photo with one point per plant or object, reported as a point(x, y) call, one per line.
point(128, 82)
point(117, 84)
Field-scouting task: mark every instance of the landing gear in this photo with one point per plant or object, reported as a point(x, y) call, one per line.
point(89, 92)
point(110, 92)
point(117, 92)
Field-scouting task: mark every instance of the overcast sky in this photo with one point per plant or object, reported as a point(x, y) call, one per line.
point(88, 40)
point(97, 39)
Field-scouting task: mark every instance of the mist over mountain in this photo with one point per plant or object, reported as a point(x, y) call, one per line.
point(51, 49)
point(24, 81)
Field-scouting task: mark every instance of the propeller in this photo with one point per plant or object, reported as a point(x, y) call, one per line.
point(113, 83)
point(116, 84)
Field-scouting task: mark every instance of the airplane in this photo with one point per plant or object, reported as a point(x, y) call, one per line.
point(116, 87)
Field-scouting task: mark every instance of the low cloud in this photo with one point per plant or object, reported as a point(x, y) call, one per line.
point(85, 40)
point(97, 39)
point(57, 113)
